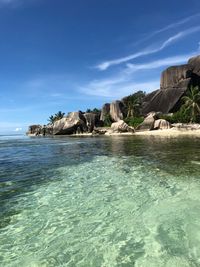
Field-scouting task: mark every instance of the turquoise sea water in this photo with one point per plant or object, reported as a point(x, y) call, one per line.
point(106, 201)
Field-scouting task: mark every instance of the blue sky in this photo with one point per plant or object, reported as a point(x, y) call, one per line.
point(72, 55)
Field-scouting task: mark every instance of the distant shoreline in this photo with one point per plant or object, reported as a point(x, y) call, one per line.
point(162, 133)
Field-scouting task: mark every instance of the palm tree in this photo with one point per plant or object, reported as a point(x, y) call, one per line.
point(133, 103)
point(192, 103)
point(133, 108)
point(59, 115)
point(51, 119)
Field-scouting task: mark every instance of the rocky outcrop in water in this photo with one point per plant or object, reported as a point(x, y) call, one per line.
point(40, 130)
point(75, 122)
point(34, 129)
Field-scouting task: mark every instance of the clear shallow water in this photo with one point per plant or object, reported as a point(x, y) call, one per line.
point(110, 201)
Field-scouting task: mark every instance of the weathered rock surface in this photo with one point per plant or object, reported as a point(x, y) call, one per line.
point(172, 76)
point(165, 101)
point(91, 121)
point(35, 129)
point(162, 125)
point(117, 110)
point(174, 83)
point(148, 123)
point(194, 65)
point(75, 122)
point(40, 130)
point(121, 127)
point(105, 112)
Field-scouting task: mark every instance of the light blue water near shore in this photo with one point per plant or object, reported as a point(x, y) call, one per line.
point(106, 201)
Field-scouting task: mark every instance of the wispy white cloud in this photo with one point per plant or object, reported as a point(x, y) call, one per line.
point(171, 26)
point(175, 24)
point(114, 90)
point(123, 82)
point(147, 51)
point(159, 63)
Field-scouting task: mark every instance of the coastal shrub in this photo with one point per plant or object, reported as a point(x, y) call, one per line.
point(107, 121)
point(95, 110)
point(134, 121)
point(180, 116)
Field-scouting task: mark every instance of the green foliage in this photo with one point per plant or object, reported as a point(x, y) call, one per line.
point(107, 121)
point(178, 117)
point(59, 115)
point(190, 109)
point(134, 121)
point(134, 103)
point(191, 104)
point(95, 110)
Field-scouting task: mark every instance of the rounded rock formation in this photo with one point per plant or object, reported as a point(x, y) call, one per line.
point(162, 125)
point(73, 123)
point(148, 123)
point(121, 127)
